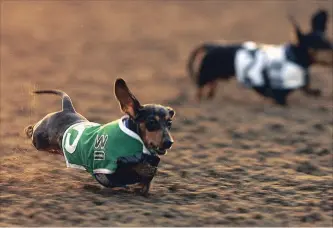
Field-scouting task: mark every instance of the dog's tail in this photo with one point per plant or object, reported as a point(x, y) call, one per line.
point(190, 63)
point(66, 101)
point(201, 49)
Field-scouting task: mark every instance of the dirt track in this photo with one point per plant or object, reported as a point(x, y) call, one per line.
point(237, 160)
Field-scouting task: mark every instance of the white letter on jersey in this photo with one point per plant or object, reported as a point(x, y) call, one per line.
point(101, 141)
point(71, 148)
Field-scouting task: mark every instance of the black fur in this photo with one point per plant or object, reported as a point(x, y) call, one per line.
point(211, 69)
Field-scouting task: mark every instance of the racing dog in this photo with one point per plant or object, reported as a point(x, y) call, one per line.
point(272, 71)
point(120, 153)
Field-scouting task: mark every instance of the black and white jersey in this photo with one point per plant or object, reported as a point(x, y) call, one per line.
point(253, 60)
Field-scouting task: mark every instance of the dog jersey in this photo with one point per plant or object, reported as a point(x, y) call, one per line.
point(252, 60)
point(95, 148)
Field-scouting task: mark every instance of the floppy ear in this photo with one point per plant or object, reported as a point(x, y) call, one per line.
point(298, 35)
point(172, 112)
point(128, 103)
point(319, 21)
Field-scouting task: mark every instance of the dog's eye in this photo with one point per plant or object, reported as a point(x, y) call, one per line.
point(152, 124)
point(169, 124)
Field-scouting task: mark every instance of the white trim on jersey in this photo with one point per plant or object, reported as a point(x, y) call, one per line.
point(69, 165)
point(103, 171)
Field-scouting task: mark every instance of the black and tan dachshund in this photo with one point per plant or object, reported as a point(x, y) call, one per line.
point(117, 154)
point(272, 71)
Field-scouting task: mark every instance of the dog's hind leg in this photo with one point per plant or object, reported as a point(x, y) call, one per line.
point(212, 89)
point(40, 140)
point(38, 134)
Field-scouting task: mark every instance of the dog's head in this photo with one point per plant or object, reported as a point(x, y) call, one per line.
point(315, 42)
point(154, 120)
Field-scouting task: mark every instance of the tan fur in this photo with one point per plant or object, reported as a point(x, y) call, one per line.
point(322, 57)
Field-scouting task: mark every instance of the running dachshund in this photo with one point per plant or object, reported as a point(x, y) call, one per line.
point(272, 71)
point(120, 153)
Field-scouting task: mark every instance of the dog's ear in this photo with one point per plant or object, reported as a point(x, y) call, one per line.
point(297, 33)
point(319, 21)
point(128, 103)
point(172, 112)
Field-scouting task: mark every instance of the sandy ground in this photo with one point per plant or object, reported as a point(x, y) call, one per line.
point(237, 160)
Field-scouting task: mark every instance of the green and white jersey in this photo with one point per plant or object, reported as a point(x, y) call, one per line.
point(95, 148)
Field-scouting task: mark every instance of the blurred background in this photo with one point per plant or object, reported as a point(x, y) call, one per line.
point(237, 160)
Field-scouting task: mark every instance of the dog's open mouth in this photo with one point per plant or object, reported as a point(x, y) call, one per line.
point(157, 150)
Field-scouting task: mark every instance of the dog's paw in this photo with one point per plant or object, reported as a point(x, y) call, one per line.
point(316, 92)
point(144, 190)
point(281, 103)
point(29, 131)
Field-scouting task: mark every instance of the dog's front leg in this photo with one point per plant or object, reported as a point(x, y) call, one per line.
point(309, 91)
point(145, 187)
point(147, 170)
point(280, 96)
point(147, 173)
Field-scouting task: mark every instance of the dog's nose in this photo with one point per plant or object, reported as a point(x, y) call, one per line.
point(167, 144)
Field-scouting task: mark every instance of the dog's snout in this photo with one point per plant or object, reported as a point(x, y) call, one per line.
point(167, 144)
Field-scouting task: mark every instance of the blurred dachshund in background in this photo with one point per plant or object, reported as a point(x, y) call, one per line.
point(272, 71)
